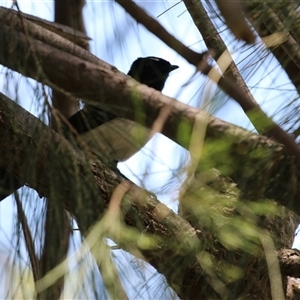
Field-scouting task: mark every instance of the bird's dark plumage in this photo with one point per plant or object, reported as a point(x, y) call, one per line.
point(108, 136)
point(117, 139)
point(152, 71)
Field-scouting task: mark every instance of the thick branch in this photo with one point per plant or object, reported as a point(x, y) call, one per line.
point(51, 166)
point(24, 137)
point(11, 19)
point(16, 18)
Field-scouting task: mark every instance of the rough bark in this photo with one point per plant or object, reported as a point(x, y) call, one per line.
point(49, 164)
point(290, 262)
point(29, 138)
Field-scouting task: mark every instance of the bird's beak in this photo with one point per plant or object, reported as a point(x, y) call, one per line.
point(172, 68)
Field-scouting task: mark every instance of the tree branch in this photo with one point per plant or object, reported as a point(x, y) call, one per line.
point(262, 123)
point(238, 25)
point(10, 18)
point(214, 41)
point(51, 166)
point(17, 18)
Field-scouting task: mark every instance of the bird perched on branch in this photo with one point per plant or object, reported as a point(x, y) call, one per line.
point(109, 137)
point(117, 139)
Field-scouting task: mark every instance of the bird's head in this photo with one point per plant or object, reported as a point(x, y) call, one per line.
point(152, 71)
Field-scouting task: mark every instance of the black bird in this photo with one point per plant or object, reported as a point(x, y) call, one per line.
point(152, 71)
point(117, 139)
point(109, 137)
